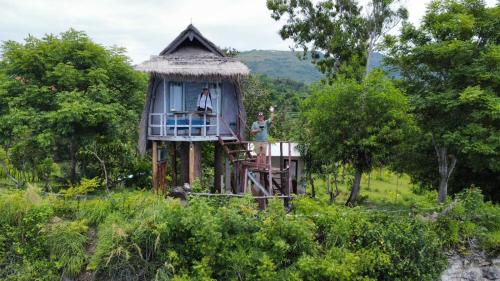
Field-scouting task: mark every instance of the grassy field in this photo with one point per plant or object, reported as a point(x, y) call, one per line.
point(384, 189)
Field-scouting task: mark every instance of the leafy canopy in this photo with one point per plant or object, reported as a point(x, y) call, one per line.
point(449, 67)
point(59, 95)
point(356, 123)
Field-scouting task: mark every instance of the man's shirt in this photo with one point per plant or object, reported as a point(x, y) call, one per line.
point(204, 101)
point(263, 135)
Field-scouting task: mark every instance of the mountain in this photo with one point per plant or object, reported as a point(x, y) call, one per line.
point(280, 64)
point(286, 64)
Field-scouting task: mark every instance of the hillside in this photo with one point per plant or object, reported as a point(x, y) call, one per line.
point(286, 64)
point(280, 64)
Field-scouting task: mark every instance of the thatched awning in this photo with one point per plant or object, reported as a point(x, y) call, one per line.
point(197, 65)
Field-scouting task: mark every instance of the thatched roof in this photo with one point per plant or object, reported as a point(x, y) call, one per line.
point(190, 56)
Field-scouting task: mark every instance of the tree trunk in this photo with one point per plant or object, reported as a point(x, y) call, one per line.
point(103, 166)
point(356, 185)
point(445, 169)
point(311, 181)
point(72, 153)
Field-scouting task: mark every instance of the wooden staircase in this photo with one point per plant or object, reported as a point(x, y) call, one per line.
point(242, 159)
point(251, 167)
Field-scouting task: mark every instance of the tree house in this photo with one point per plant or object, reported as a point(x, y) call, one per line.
point(171, 119)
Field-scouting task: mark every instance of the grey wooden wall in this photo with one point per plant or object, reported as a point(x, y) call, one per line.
point(192, 90)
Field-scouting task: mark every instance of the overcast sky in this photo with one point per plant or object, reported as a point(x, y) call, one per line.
point(146, 27)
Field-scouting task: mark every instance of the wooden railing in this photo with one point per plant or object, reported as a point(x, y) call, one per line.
point(184, 123)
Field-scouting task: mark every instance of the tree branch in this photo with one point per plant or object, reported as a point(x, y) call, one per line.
point(103, 165)
point(7, 173)
point(452, 165)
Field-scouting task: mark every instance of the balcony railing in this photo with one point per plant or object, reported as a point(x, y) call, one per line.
point(184, 124)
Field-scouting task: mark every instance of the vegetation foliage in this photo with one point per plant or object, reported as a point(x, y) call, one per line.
point(142, 236)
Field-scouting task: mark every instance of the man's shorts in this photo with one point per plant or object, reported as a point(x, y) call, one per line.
point(260, 147)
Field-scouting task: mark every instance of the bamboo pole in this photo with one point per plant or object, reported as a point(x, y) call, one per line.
point(154, 163)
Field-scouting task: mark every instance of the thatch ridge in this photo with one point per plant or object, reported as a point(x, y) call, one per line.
point(191, 32)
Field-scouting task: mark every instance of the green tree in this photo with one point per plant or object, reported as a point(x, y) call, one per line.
point(449, 66)
point(65, 95)
point(336, 33)
point(358, 124)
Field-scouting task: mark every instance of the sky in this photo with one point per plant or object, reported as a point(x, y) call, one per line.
point(145, 27)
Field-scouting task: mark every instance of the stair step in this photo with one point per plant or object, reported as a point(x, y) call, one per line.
point(239, 151)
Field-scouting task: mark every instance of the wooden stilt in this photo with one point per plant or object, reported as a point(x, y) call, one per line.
point(227, 184)
point(281, 166)
point(270, 167)
point(154, 163)
point(194, 161)
point(162, 175)
point(191, 163)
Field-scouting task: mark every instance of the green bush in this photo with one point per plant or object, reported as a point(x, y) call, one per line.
point(66, 244)
point(470, 217)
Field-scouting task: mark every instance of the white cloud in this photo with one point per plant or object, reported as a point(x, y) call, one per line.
point(146, 27)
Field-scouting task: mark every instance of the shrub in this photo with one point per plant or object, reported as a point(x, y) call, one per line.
point(86, 186)
point(470, 217)
point(66, 244)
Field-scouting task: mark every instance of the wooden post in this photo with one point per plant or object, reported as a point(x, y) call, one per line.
point(219, 166)
point(154, 163)
point(281, 167)
point(245, 180)
point(191, 163)
point(194, 161)
point(227, 183)
point(270, 175)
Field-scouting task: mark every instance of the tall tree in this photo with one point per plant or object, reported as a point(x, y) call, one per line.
point(61, 95)
point(359, 129)
point(449, 66)
point(341, 35)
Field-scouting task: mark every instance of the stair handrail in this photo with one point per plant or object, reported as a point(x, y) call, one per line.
point(229, 128)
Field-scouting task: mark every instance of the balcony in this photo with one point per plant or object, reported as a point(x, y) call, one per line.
point(188, 126)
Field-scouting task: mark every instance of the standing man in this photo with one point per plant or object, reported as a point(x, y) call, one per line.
point(260, 129)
